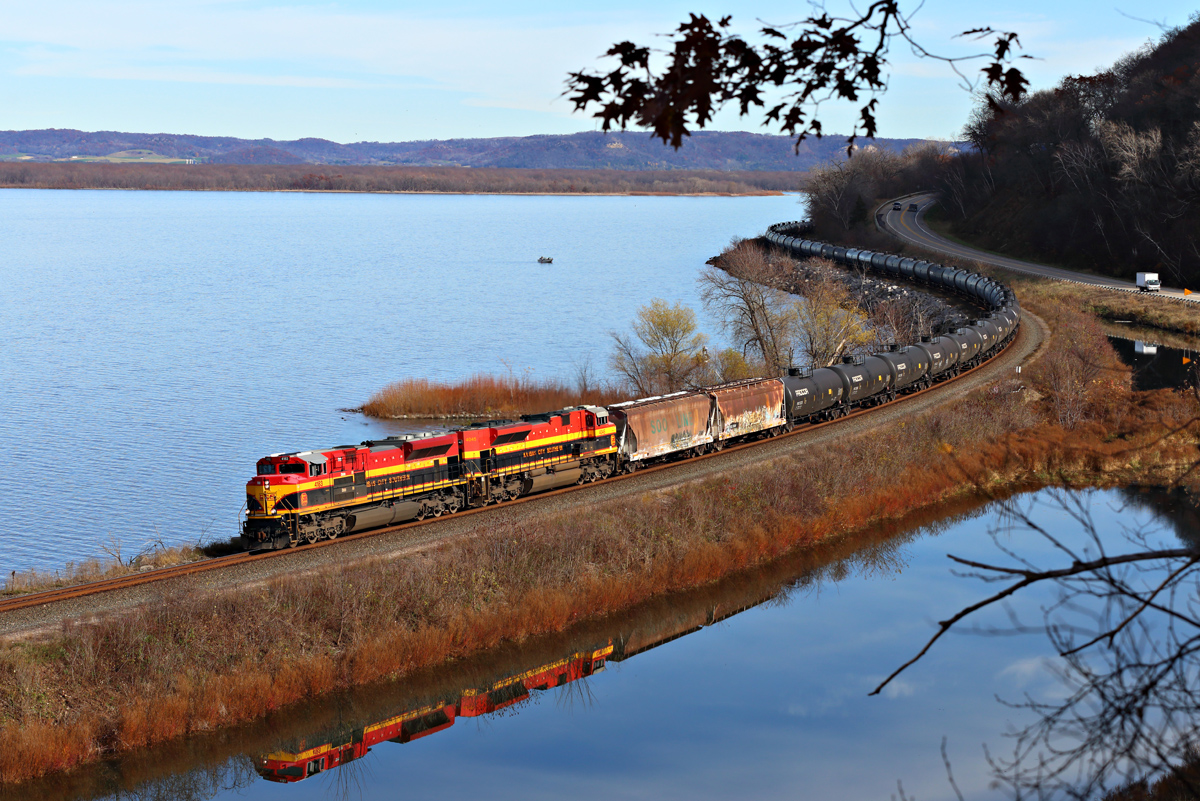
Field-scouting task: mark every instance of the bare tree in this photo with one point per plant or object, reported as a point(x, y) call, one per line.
point(1125, 630)
point(665, 351)
point(833, 189)
point(828, 322)
point(742, 294)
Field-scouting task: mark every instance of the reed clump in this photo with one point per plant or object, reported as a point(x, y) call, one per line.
point(481, 396)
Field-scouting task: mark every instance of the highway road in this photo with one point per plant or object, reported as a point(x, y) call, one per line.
point(912, 228)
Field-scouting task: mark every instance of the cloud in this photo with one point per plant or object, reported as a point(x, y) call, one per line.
point(899, 688)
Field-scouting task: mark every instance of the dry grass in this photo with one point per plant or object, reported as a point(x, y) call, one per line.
point(115, 564)
point(481, 396)
point(179, 666)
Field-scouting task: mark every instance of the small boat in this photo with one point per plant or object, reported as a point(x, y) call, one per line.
point(545, 260)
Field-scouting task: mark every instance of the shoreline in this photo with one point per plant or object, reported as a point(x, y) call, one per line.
point(351, 625)
point(202, 702)
point(763, 193)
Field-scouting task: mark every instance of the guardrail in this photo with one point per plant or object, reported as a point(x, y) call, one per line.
point(988, 292)
point(882, 225)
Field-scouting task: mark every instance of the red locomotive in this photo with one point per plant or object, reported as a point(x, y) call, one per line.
point(313, 495)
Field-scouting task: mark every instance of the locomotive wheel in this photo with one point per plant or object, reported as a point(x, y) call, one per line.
point(311, 536)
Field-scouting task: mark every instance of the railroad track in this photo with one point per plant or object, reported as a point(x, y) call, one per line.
point(48, 597)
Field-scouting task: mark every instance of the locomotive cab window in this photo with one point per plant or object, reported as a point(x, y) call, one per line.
point(291, 468)
point(266, 469)
point(316, 469)
point(566, 419)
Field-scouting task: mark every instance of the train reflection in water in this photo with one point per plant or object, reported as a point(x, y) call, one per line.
point(413, 724)
point(334, 749)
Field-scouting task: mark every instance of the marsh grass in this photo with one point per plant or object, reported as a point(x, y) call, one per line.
point(481, 396)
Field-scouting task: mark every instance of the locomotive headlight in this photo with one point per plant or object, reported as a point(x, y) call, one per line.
point(267, 484)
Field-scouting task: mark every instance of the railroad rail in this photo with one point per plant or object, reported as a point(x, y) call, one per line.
point(985, 291)
point(57, 594)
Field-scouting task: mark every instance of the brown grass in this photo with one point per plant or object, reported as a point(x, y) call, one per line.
point(114, 565)
point(194, 663)
point(480, 396)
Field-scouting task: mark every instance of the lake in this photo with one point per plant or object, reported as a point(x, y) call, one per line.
point(756, 687)
point(157, 344)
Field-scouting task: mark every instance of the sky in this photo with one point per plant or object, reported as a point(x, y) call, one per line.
point(365, 70)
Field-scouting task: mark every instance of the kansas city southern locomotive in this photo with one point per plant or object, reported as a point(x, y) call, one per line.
point(313, 495)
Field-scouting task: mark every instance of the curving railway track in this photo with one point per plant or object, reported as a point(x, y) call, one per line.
point(1019, 348)
point(162, 574)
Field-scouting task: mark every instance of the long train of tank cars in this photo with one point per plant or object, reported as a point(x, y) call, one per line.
point(307, 496)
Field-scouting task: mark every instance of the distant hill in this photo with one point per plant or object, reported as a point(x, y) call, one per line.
point(704, 150)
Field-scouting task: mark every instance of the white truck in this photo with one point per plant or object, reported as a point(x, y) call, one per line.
point(1148, 282)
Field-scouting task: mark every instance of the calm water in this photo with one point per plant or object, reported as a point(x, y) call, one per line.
point(1157, 366)
point(156, 344)
point(770, 702)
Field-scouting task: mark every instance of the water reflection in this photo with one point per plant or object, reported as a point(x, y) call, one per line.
point(1158, 366)
point(752, 687)
point(322, 751)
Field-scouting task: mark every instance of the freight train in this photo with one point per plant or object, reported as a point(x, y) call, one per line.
point(308, 496)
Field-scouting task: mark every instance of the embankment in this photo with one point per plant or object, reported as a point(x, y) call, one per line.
point(190, 664)
point(194, 663)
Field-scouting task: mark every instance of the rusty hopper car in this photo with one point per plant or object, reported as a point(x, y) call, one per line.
point(663, 425)
point(749, 406)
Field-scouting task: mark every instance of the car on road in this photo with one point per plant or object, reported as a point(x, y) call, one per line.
point(896, 206)
point(913, 207)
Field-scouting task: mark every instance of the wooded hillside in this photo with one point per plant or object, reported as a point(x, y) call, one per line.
point(1100, 173)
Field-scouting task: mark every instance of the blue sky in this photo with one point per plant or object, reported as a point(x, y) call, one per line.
point(362, 70)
